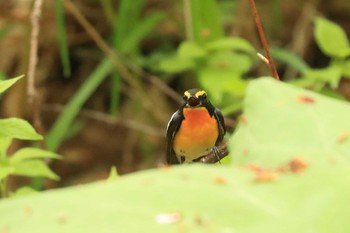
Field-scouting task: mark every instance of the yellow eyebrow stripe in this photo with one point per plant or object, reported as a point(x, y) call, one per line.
point(200, 93)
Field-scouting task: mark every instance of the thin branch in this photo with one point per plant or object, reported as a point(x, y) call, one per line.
point(33, 54)
point(263, 39)
point(188, 19)
point(108, 119)
point(212, 157)
point(33, 101)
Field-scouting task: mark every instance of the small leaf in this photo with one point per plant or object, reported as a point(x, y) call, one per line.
point(5, 171)
point(331, 75)
point(190, 50)
point(176, 65)
point(234, 43)
point(5, 142)
point(229, 61)
point(34, 168)
point(331, 38)
point(32, 153)
point(289, 58)
point(23, 191)
point(18, 128)
point(4, 85)
point(346, 69)
point(141, 31)
point(113, 174)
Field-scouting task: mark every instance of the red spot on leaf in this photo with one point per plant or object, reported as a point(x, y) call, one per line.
point(243, 118)
point(297, 165)
point(343, 136)
point(265, 176)
point(305, 99)
point(220, 180)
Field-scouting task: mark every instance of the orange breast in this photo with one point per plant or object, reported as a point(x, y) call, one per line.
point(197, 134)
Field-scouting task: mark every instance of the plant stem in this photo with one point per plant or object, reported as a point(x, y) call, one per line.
point(188, 19)
point(263, 39)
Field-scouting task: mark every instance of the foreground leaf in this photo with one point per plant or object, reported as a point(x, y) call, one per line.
point(195, 198)
point(282, 122)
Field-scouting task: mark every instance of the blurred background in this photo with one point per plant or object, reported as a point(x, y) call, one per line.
point(110, 73)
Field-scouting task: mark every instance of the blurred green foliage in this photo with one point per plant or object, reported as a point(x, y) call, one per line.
point(333, 42)
point(219, 62)
point(26, 161)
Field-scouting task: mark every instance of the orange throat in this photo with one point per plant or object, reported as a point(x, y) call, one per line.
point(197, 134)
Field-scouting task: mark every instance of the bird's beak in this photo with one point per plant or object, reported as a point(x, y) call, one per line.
point(193, 101)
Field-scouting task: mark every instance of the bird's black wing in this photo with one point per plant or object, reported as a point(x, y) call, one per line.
point(172, 128)
point(221, 125)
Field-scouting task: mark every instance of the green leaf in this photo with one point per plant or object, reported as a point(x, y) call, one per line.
point(217, 82)
point(33, 168)
point(4, 85)
point(176, 65)
point(141, 30)
point(23, 191)
point(190, 50)
point(234, 43)
point(289, 58)
point(5, 143)
point(331, 75)
point(198, 197)
point(331, 38)
point(283, 122)
point(113, 174)
point(5, 168)
point(205, 26)
point(18, 128)
point(32, 153)
point(346, 68)
point(231, 62)
point(62, 37)
point(127, 18)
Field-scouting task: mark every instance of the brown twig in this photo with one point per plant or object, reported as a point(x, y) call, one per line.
point(263, 39)
point(33, 61)
point(108, 119)
point(212, 157)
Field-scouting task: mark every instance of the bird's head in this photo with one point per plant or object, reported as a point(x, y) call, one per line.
point(194, 98)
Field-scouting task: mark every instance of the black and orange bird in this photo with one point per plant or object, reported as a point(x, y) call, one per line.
point(195, 129)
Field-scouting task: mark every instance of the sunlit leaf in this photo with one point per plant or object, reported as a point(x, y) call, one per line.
point(190, 50)
point(283, 121)
point(33, 168)
point(331, 38)
point(18, 128)
point(4, 85)
point(32, 153)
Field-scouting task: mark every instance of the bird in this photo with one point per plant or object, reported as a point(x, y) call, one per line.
point(194, 130)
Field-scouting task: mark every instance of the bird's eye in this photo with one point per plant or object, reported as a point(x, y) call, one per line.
point(184, 98)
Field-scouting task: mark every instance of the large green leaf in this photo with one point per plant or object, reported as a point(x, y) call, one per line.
point(195, 198)
point(282, 121)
